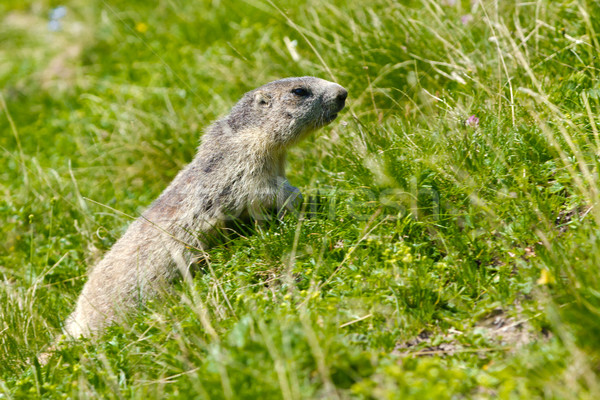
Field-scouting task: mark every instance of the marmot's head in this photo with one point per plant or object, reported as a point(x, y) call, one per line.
point(286, 110)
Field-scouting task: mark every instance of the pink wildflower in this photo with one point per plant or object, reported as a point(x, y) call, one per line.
point(466, 19)
point(472, 121)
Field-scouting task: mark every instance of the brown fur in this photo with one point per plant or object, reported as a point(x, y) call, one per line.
point(238, 171)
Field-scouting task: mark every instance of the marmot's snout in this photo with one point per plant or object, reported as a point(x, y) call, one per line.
point(335, 102)
point(341, 98)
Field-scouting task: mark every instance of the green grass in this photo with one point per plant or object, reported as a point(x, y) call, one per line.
point(438, 258)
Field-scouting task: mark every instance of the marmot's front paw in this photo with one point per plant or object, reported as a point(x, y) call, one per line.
point(289, 199)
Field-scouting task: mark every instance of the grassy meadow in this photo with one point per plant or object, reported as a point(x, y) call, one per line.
point(448, 246)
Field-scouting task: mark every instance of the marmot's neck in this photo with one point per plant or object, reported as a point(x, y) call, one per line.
point(258, 150)
point(252, 148)
point(269, 163)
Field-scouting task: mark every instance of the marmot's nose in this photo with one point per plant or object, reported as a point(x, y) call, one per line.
point(340, 98)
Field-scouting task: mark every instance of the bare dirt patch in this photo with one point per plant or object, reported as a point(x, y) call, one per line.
point(500, 332)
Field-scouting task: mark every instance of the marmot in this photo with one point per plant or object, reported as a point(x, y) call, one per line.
point(237, 172)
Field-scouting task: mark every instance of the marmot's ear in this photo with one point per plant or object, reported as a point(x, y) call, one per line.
point(263, 99)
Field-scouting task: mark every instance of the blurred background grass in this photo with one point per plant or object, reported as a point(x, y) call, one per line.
point(455, 252)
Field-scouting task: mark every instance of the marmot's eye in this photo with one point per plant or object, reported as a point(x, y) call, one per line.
point(300, 92)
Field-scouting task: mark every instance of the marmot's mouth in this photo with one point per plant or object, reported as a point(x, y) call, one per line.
point(330, 117)
point(332, 113)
